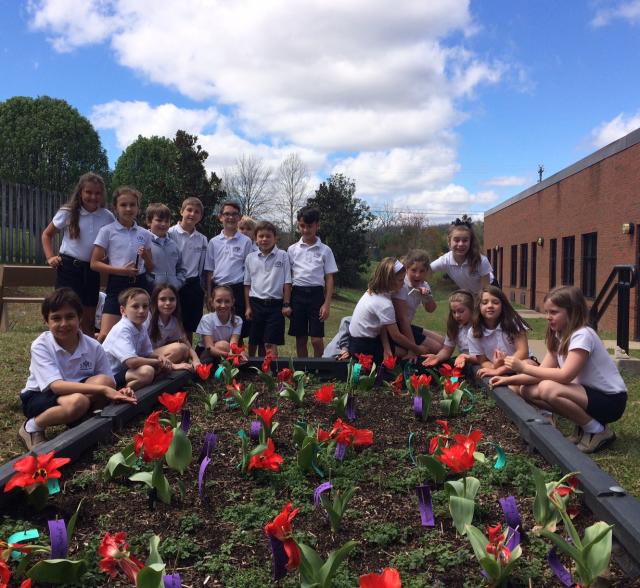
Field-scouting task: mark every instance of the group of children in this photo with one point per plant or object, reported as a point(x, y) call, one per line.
point(158, 280)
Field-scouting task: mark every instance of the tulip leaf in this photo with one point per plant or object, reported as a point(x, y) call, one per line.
point(161, 484)
point(478, 541)
point(145, 477)
point(154, 553)
point(461, 510)
point(597, 550)
point(150, 576)
point(335, 559)
point(434, 466)
point(58, 571)
point(121, 464)
point(541, 504)
point(180, 452)
point(71, 525)
point(491, 566)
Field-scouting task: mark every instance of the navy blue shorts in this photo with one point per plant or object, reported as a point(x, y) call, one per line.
point(267, 322)
point(418, 334)
point(77, 275)
point(305, 311)
point(118, 284)
point(35, 402)
point(605, 408)
point(238, 309)
point(191, 304)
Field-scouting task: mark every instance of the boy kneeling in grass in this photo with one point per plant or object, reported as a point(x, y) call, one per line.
point(128, 346)
point(69, 373)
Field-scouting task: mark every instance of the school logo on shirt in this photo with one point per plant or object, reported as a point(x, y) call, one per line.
point(86, 366)
point(236, 248)
point(140, 238)
point(278, 264)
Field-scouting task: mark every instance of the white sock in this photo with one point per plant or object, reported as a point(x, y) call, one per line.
point(31, 427)
point(545, 413)
point(593, 427)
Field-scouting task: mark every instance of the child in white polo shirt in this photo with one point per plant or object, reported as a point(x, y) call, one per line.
point(193, 247)
point(312, 267)
point(80, 219)
point(167, 260)
point(225, 257)
point(267, 291)
point(69, 372)
point(122, 250)
point(128, 347)
point(220, 328)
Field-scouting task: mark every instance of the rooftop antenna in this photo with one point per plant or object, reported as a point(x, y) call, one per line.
point(540, 172)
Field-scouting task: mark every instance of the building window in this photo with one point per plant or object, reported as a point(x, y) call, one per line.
point(524, 264)
point(500, 260)
point(553, 262)
point(568, 260)
point(514, 265)
point(589, 251)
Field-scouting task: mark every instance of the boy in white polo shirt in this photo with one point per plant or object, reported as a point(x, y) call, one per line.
point(225, 257)
point(193, 247)
point(167, 260)
point(128, 347)
point(267, 291)
point(312, 267)
point(69, 372)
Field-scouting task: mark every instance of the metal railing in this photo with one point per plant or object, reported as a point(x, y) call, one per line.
point(627, 278)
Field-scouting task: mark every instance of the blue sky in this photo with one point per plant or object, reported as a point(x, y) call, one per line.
point(445, 106)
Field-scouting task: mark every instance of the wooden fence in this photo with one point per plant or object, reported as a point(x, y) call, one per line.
point(25, 211)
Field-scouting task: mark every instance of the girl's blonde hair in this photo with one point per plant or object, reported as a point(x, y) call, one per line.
point(383, 279)
point(248, 221)
point(75, 201)
point(511, 322)
point(232, 316)
point(473, 255)
point(154, 328)
point(465, 298)
point(570, 299)
point(121, 191)
point(416, 256)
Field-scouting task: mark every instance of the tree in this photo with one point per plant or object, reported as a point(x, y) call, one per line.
point(45, 142)
point(249, 183)
point(291, 181)
point(344, 222)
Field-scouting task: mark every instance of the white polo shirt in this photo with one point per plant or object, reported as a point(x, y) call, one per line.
point(372, 312)
point(125, 341)
point(89, 224)
point(192, 247)
point(168, 333)
point(225, 258)
point(411, 296)
point(461, 341)
point(491, 340)
point(51, 362)
point(121, 244)
point(600, 371)
point(460, 273)
point(212, 326)
point(267, 274)
point(311, 263)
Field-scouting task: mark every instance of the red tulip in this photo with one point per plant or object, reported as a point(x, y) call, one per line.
point(397, 384)
point(172, 402)
point(235, 353)
point(389, 578)
point(501, 553)
point(323, 435)
point(450, 387)
point(266, 364)
point(346, 434)
point(5, 574)
point(280, 528)
point(266, 415)
point(204, 370)
point(154, 439)
point(366, 361)
point(420, 381)
point(449, 372)
point(285, 375)
point(26, 583)
point(458, 457)
point(36, 470)
point(115, 551)
point(267, 460)
point(324, 394)
point(390, 362)
point(496, 535)
point(433, 445)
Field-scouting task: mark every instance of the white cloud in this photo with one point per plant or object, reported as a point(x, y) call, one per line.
point(610, 131)
point(506, 181)
point(383, 84)
point(628, 10)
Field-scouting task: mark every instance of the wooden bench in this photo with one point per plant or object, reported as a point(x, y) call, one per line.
point(22, 276)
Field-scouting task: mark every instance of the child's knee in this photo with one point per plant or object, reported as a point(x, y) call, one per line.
point(316, 341)
point(547, 389)
point(75, 406)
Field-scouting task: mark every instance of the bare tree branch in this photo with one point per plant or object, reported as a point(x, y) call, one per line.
point(249, 182)
point(292, 182)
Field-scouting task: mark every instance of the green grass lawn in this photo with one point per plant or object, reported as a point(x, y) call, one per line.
point(622, 460)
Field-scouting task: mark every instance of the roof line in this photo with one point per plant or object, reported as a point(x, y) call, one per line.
point(620, 145)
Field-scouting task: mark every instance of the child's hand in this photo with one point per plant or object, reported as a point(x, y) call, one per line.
point(498, 357)
point(248, 313)
point(460, 361)
point(182, 366)
point(125, 394)
point(430, 360)
point(130, 270)
point(54, 261)
point(498, 381)
point(286, 311)
point(344, 355)
point(424, 291)
point(513, 363)
point(324, 312)
point(486, 371)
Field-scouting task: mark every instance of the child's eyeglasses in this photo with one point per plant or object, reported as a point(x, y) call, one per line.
point(230, 214)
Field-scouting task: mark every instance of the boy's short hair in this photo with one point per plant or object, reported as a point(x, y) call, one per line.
point(231, 203)
point(129, 293)
point(309, 215)
point(55, 300)
point(247, 220)
point(192, 201)
point(267, 226)
point(162, 211)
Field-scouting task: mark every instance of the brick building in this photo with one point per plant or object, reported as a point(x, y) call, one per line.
point(571, 228)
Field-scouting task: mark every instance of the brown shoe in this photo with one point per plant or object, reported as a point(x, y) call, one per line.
point(576, 436)
point(30, 439)
point(592, 442)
